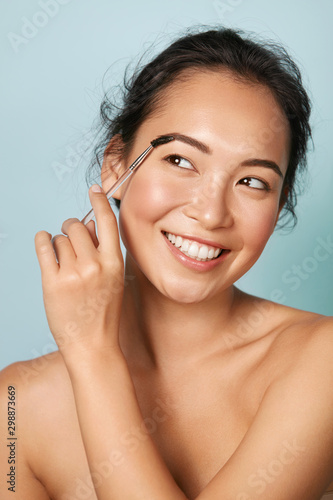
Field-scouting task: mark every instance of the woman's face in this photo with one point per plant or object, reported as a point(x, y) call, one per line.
point(224, 190)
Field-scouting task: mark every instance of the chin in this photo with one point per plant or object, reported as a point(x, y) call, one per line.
point(184, 294)
point(184, 298)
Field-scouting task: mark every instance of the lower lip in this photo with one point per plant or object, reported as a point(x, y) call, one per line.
point(197, 265)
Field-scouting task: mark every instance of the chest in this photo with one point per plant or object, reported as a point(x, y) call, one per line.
point(198, 424)
point(196, 420)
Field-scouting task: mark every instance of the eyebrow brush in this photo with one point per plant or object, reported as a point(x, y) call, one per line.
point(163, 139)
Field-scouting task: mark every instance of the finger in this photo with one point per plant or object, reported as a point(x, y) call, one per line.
point(45, 253)
point(64, 250)
point(92, 231)
point(107, 227)
point(80, 237)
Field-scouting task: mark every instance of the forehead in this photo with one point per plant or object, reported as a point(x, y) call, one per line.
point(238, 115)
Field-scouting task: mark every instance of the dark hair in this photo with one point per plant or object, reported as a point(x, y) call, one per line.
point(265, 63)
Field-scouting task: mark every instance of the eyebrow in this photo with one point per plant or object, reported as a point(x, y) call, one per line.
point(257, 162)
point(252, 162)
point(201, 146)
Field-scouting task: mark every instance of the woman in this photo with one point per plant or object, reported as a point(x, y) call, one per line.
point(161, 388)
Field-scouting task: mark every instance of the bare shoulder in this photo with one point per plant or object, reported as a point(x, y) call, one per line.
point(304, 337)
point(291, 435)
point(44, 412)
point(43, 392)
point(34, 379)
point(269, 317)
point(293, 339)
point(34, 373)
point(311, 355)
point(301, 357)
point(302, 392)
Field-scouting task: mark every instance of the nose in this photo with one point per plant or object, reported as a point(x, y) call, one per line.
point(210, 203)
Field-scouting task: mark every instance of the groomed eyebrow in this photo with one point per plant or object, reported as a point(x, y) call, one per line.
point(252, 162)
point(201, 146)
point(257, 162)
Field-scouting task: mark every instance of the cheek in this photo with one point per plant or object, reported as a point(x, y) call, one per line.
point(258, 227)
point(146, 200)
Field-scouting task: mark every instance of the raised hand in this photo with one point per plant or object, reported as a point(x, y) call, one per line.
point(83, 280)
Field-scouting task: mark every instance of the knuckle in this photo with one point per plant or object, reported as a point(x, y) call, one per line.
point(72, 279)
point(71, 220)
point(43, 249)
point(71, 225)
point(76, 223)
point(91, 270)
point(59, 238)
point(69, 283)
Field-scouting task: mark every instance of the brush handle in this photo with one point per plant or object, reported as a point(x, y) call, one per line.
point(90, 215)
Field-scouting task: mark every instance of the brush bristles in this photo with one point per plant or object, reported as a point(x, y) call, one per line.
point(163, 139)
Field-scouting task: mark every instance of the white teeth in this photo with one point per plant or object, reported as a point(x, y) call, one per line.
point(203, 252)
point(179, 241)
point(193, 249)
point(185, 246)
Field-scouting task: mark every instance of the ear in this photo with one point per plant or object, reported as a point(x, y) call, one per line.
point(113, 165)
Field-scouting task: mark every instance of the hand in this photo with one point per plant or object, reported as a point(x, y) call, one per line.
point(83, 291)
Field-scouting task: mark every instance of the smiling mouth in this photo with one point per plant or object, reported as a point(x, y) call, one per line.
point(193, 249)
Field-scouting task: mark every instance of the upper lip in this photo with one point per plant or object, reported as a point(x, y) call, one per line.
point(198, 239)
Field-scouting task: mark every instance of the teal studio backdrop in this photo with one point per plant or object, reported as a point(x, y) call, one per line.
point(54, 54)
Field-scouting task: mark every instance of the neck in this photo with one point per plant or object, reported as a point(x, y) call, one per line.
point(158, 333)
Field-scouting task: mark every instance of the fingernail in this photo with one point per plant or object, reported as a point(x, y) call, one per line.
point(96, 188)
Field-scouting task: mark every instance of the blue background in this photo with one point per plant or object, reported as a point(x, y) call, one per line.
point(51, 88)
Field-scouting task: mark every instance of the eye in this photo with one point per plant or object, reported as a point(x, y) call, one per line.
point(255, 183)
point(179, 161)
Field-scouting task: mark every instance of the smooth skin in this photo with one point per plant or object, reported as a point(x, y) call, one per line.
point(172, 383)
